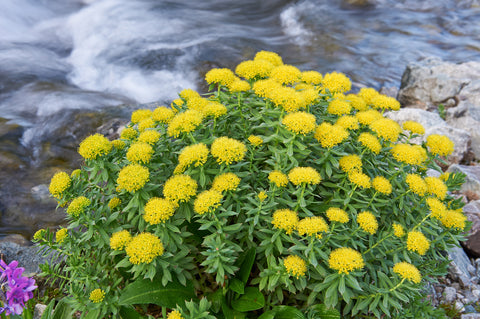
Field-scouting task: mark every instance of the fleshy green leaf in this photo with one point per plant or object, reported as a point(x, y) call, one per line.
point(253, 299)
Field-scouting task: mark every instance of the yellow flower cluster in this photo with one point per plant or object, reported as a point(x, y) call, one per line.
point(360, 179)
point(239, 86)
point(312, 226)
point(382, 185)
point(94, 146)
point(367, 222)
point(368, 117)
point(409, 154)
point(385, 102)
point(78, 205)
point(387, 129)
point(132, 177)
point(158, 210)
point(407, 271)
point(351, 163)
point(114, 203)
point(285, 74)
point(370, 142)
point(262, 196)
point(336, 82)
point(39, 234)
point(175, 314)
point(120, 239)
point(207, 201)
point(348, 122)
point(416, 184)
point(285, 219)
point(312, 77)
point(252, 69)
point(184, 122)
point(188, 94)
point(180, 188)
point(440, 144)
point(304, 175)
point(278, 178)
point(295, 266)
point(196, 154)
point(97, 295)
point(214, 109)
point(228, 150)
point(339, 107)
point(454, 219)
point(368, 95)
point(143, 248)
point(197, 103)
point(75, 173)
point(356, 102)
point(416, 241)
point(437, 208)
point(149, 136)
point(330, 135)
point(139, 115)
point(335, 214)
point(128, 133)
point(146, 124)
point(140, 152)
point(118, 144)
point(225, 182)
point(220, 76)
point(436, 186)
point(287, 98)
point(398, 230)
point(414, 127)
point(300, 122)
point(255, 140)
point(163, 114)
point(59, 184)
point(61, 235)
point(345, 260)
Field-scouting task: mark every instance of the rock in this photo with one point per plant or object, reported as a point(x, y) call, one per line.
point(434, 124)
point(472, 179)
point(470, 316)
point(459, 267)
point(28, 257)
point(38, 311)
point(449, 294)
point(42, 194)
point(469, 309)
point(467, 116)
point(459, 306)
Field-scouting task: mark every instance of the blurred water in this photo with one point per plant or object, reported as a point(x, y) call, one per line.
point(62, 56)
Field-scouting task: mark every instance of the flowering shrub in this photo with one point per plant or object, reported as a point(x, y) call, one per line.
point(275, 195)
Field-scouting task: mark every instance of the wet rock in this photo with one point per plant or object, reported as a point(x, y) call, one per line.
point(28, 257)
point(42, 194)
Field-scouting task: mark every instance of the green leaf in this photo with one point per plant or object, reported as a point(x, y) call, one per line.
point(229, 313)
point(268, 315)
point(47, 313)
point(253, 299)
point(288, 312)
point(145, 291)
point(237, 285)
point(128, 313)
point(62, 311)
point(93, 314)
point(322, 312)
point(246, 266)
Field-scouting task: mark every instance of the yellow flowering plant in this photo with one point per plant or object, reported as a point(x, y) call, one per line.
point(277, 194)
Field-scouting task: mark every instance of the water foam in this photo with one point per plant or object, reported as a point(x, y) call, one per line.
point(290, 19)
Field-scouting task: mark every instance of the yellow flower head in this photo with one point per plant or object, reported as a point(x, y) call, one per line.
point(145, 124)
point(140, 115)
point(367, 222)
point(180, 188)
point(345, 260)
point(287, 98)
point(371, 142)
point(239, 86)
point(336, 82)
point(286, 74)
point(39, 234)
point(414, 127)
point(197, 104)
point(220, 76)
point(278, 178)
point(214, 109)
point(149, 136)
point(61, 235)
point(407, 271)
point(436, 186)
point(368, 117)
point(299, 122)
point(120, 239)
point(307, 175)
point(228, 150)
point(416, 184)
point(285, 219)
point(140, 153)
point(339, 107)
point(207, 201)
point(262, 196)
point(385, 102)
point(440, 145)
point(312, 77)
point(368, 95)
point(114, 203)
point(408, 154)
point(75, 173)
point(416, 241)
point(360, 179)
point(295, 266)
point(184, 122)
point(309, 95)
point(382, 185)
point(196, 154)
point(59, 183)
point(271, 57)
point(118, 144)
point(94, 146)
point(330, 135)
point(226, 182)
point(356, 102)
point(312, 226)
point(176, 103)
point(175, 314)
point(398, 230)
point(437, 207)
point(350, 163)
point(78, 205)
point(348, 122)
point(255, 140)
point(265, 88)
point(252, 69)
point(187, 94)
point(158, 210)
point(128, 133)
point(143, 248)
point(338, 215)
point(97, 295)
point(163, 114)
point(387, 129)
point(133, 177)
point(454, 219)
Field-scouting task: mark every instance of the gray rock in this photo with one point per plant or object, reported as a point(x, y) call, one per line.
point(28, 257)
point(472, 179)
point(42, 194)
point(470, 316)
point(459, 267)
point(472, 244)
point(469, 309)
point(467, 116)
point(449, 294)
point(38, 311)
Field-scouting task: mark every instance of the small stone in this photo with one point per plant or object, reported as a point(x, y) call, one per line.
point(469, 309)
point(459, 306)
point(471, 316)
point(476, 293)
point(39, 310)
point(449, 294)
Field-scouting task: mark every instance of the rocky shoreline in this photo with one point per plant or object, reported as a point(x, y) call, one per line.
point(445, 99)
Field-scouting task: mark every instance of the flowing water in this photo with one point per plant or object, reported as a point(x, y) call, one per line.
point(68, 65)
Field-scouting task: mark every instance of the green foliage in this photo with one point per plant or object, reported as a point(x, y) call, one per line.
point(276, 200)
point(441, 111)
